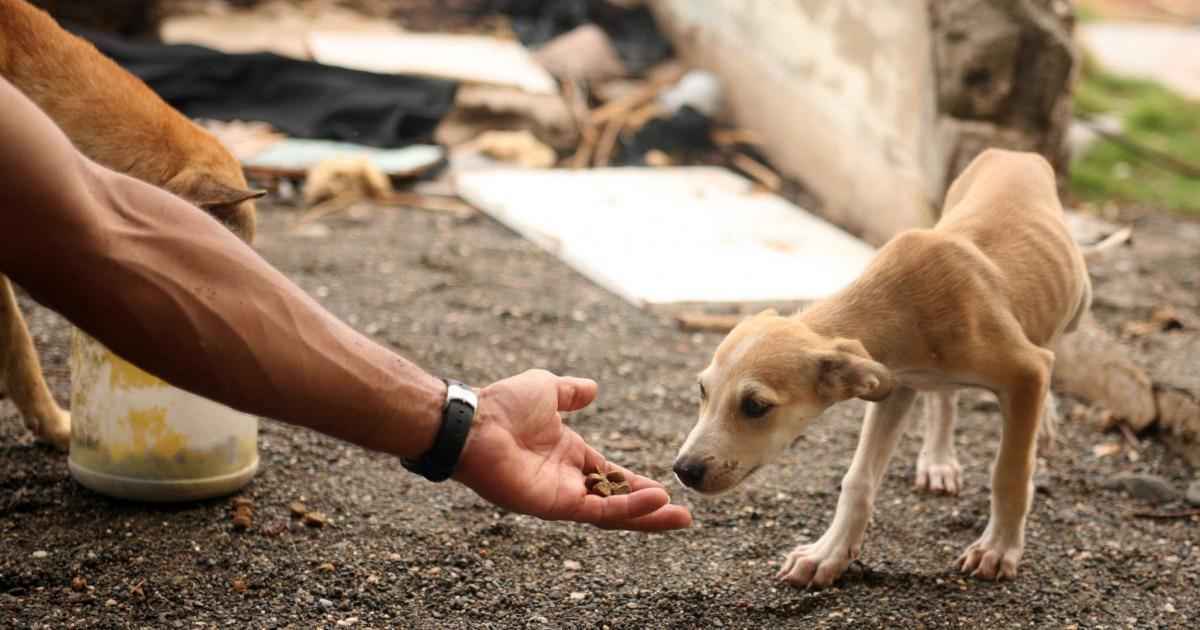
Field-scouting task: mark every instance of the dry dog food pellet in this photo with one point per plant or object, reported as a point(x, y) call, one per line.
point(315, 519)
point(298, 509)
point(243, 511)
point(606, 484)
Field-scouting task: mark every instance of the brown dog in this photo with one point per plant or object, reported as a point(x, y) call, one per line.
point(117, 121)
point(977, 301)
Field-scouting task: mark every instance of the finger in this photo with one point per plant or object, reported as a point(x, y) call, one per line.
point(575, 393)
point(608, 511)
point(665, 518)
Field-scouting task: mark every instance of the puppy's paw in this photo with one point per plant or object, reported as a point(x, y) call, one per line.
point(818, 564)
point(939, 474)
point(991, 558)
point(55, 430)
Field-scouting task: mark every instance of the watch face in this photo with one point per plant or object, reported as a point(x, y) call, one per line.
point(462, 393)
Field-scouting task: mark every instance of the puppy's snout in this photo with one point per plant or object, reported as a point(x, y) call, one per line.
point(690, 472)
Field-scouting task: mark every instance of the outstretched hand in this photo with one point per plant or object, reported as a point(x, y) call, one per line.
point(520, 457)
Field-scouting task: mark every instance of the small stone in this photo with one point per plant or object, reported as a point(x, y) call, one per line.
point(297, 509)
point(326, 568)
point(1144, 487)
point(539, 619)
point(39, 554)
point(274, 528)
point(578, 596)
point(572, 565)
point(110, 602)
point(78, 583)
point(325, 603)
point(1193, 493)
point(315, 519)
point(347, 622)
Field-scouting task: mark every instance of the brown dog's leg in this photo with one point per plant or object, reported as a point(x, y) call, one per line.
point(998, 551)
point(21, 375)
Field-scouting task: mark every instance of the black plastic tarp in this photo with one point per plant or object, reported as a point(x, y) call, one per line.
point(301, 98)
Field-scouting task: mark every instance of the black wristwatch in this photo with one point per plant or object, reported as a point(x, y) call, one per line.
point(442, 458)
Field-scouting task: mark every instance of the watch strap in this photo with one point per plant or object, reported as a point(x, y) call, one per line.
point(440, 461)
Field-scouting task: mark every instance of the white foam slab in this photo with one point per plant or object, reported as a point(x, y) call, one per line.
point(665, 235)
point(472, 58)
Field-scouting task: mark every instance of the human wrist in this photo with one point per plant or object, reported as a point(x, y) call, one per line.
point(441, 460)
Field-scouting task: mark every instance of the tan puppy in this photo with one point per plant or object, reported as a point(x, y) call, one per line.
point(117, 121)
point(975, 302)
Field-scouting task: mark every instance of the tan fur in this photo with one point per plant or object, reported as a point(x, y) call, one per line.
point(118, 122)
point(977, 301)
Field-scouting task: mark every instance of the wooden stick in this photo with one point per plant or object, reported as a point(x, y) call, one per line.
point(577, 101)
point(1115, 239)
point(435, 203)
point(642, 115)
point(706, 322)
point(326, 208)
point(729, 137)
point(1159, 158)
point(636, 98)
point(758, 171)
point(608, 140)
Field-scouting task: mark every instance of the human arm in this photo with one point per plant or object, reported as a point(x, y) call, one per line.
point(165, 286)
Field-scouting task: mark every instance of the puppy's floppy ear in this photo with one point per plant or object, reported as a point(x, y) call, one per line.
point(845, 374)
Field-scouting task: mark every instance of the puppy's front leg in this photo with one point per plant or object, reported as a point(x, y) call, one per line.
point(822, 562)
point(937, 465)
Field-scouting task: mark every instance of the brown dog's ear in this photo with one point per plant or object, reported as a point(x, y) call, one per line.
point(209, 193)
point(845, 375)
point(768, 312)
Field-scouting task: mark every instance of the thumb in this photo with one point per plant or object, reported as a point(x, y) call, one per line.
point(575, 393)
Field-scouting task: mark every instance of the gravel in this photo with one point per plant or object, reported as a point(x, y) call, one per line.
point(411, 554)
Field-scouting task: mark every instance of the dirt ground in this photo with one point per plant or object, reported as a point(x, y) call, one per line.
point(403, 553)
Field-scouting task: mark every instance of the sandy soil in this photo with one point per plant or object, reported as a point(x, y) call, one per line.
point(408, 554)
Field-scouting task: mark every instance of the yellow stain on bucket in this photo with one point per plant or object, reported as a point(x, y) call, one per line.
point(135, 436)
point(149, 434)
point(125, 376)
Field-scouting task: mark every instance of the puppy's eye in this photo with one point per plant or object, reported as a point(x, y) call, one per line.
point(703, 392)
point(753, 408)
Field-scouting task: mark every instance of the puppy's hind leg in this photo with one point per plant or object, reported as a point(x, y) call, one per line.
point(822, 562)
point(937, 465)
point(1022, 400)
point(22, 375)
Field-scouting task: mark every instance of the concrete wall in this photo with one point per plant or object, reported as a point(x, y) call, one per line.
point(875, 105)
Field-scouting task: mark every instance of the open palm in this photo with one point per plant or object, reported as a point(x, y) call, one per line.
point(521, 457)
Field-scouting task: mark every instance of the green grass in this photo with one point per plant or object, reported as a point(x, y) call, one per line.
point(1151, 116)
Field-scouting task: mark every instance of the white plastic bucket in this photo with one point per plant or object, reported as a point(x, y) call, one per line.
point(133, 436)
